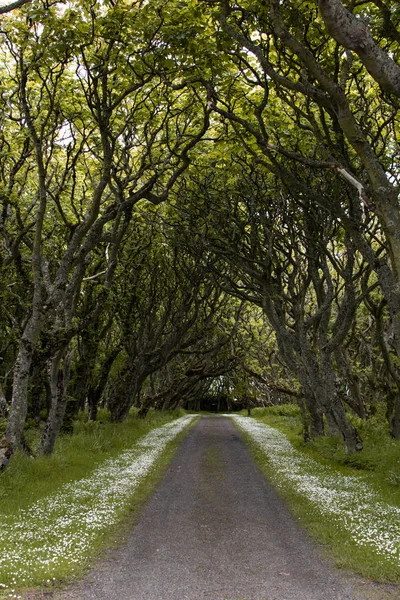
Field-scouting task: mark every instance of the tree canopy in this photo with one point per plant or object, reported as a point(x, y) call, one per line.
point(199, 199)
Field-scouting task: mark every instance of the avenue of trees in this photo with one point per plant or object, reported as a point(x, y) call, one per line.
point(199, 199)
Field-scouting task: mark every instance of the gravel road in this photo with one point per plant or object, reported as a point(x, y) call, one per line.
point(214, 530)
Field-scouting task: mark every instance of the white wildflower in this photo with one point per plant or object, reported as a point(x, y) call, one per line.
point(347, 499)
point(61, 528)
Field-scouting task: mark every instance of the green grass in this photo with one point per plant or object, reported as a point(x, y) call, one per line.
point(377, 466)
point(27, 481)
point(379, 461)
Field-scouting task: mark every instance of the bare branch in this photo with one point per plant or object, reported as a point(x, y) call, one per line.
point(94, 276)
point(9, 7)
point(354, 182)
point(353, 33)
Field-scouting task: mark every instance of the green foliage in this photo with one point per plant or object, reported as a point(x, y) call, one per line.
point(103, 416)
point(281, 410)
point(286, 417)
point(178, 412)
point(380, 455)
point(375, 428)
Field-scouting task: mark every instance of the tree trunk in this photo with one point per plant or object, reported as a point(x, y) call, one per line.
point(142, 414)
point(395, 422)
point(58, 381)
point(393, 404)
point(120, 408)
point(334, 409)
point(19, 406)
point(127, 395)
point(354, 398)
point(93, 404)
point(3, 404)
point(305, 419)
point(314, 423)
point(35, 397)
point(333, 428)
point(354, 34)
point(95, 391)
point(47, 388)
point(350, 435)
point(316, 418)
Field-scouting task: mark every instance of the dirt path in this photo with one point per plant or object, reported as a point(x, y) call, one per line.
point(214, 530)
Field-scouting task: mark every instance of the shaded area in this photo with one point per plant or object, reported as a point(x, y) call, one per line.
point(215, 404)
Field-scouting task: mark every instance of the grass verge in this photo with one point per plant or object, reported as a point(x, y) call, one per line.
point(343, 507)
point(55, 536)
point(26, 481)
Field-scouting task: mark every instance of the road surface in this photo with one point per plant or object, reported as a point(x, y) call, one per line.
point(214, 530)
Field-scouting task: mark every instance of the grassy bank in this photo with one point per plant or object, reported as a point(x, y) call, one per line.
point(57, 513)
point(349, 503)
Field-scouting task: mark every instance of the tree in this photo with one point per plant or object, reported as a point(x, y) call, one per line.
point(288, 263)
point(160, 163)
point(120, 134)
